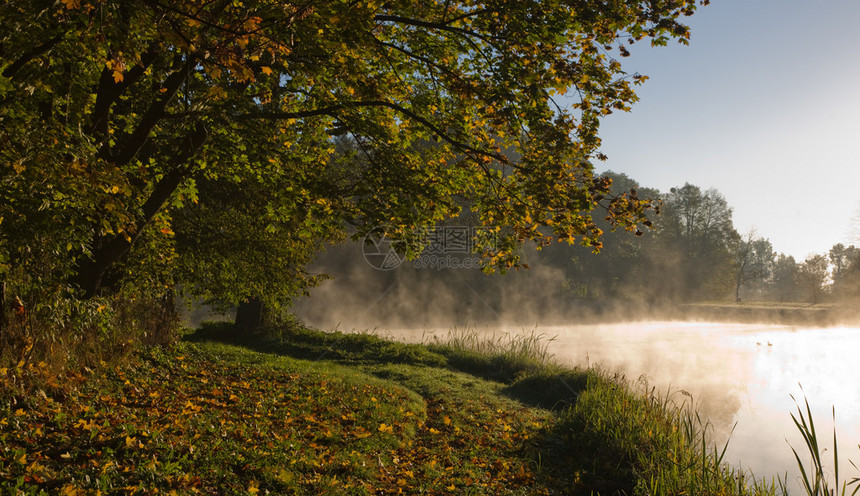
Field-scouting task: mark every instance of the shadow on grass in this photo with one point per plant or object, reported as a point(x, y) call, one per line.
point(552, 390)
point(571, 450)
point(567, 455)
point(528, 381)
point(308, 344)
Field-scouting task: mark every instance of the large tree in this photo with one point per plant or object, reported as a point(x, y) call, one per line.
point(623, 269)
point(753, 259)
point(843, 260)
point(812, 274)
point(785, 278)
point(845, 274)
point(699, 225)
point(110, 111)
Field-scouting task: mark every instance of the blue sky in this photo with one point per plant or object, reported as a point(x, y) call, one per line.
point(763, 105)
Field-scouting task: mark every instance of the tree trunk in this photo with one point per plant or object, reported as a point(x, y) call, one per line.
point(249, 314)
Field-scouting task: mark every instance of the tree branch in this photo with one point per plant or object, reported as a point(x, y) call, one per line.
point(28, 56)
point(90, 273)
point(465, 15)
point(109, 91)
point(432, 25)
point(465, 33)
point(153, 114)
point(428, 62)
point(333, 109)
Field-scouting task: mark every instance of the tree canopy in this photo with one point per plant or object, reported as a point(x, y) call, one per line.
point(114, 115)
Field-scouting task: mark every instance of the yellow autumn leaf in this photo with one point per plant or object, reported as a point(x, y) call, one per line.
point(266, 70)
point(69, 489)
point(117, 76)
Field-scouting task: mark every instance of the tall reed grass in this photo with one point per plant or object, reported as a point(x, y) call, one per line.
point(661, 437)
point(524, 346)
point(814, 476)
point(503, 357)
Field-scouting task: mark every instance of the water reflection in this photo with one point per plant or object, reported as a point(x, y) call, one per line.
point(744, 376)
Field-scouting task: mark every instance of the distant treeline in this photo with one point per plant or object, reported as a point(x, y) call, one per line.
point(692, 252)
point(695, 253)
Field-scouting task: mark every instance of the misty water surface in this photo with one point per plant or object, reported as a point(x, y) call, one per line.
point(741, 375)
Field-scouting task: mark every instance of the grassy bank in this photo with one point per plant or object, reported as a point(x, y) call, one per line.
point(297, 411)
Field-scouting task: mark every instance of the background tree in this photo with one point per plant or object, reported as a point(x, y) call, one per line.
point(753, 262)
point(812, 274)
point(235, 245)
point(785, 278)
point(700, 224)
point(846, 267)
point(842, 259)
point(763, 264)
point(620, 270)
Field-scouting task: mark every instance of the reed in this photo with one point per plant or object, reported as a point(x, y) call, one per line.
point(504, 357)
point(662, 444)
point(813, 477)
point(532, 345)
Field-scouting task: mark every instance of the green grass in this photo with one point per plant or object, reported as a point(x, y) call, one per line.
point(298, 411)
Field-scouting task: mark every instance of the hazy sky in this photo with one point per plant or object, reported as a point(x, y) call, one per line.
point(763, 105)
